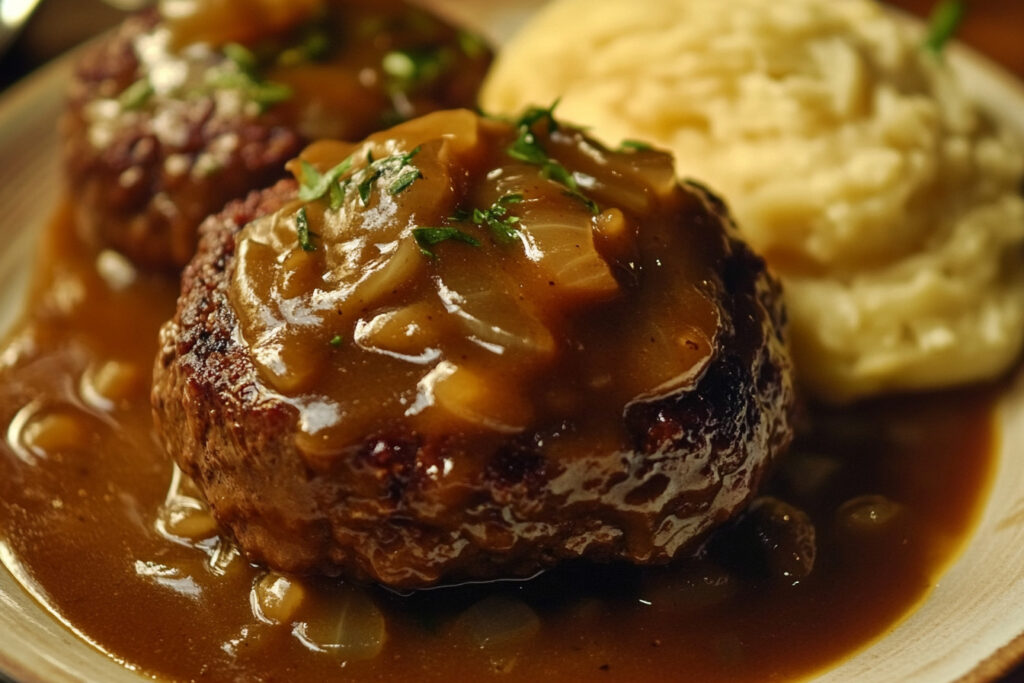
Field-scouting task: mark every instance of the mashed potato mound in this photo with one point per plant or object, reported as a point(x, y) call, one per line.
point(887, 203)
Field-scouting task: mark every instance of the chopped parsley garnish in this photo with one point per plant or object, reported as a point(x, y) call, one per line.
point(496, 219)
point(302, 228)
point(398, 64)
point(267, 94)
point(247, 78)
point(429, 237)
point(633, 146)
point(394, 164)
point(408, 69)
point(404, 181)
point(264, 93)
point(314, 46)
point(336, 341)
point(943, 24)
point(136, 95)
point(243, 58)
point(472, 45)
point(528, 149)
point(315, 185)
point(365, 186)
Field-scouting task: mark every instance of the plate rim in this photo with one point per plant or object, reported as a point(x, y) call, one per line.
point(22, 97)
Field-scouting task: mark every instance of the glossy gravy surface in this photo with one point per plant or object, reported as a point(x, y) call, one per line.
point(518, 333)
point(82, 483)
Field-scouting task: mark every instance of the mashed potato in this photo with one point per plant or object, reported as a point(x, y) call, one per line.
point(887, 203)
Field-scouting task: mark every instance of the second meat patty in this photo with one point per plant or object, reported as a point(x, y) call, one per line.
point(169, 120)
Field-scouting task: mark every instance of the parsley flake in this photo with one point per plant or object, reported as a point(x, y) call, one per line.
point(472, 45)
point(336, 341)
point(409, 69)
point(264, 93)
point(246, 78)
point(136, 95)
point(366, 186)
point(337, 196)
point(634, 146)
point(429, 237)
point(528, 149)
point(315, 185)
point(394, 164)
point(404, 181)
point(943, 24)
point(314, 47)
point(304, 233)
point(334, 183)
point(242, 56)
point(496, 219)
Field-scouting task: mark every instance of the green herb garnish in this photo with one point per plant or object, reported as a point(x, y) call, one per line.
point(404, 181)
point(528, 149)
point(429, 237)
point(398, 64)
point(496, 219)
point(315, 185)
point(394, 164)
point(136, 95)
point(247, 79)
point(267, 94)
point(472, 45)
point(336, 341)
point(633, 146)
point(337, 196)
point(263, 93)
point(314, 47)
point(411, 68)
point(552, 170)
point(365, 187)
point(243, 58)
point(302, 228)
point(944, 22)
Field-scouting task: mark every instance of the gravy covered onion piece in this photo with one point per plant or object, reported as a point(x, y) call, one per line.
point(179, 112)
point(467, 348)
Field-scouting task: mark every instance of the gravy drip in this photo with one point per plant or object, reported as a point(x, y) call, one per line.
point(84, 509)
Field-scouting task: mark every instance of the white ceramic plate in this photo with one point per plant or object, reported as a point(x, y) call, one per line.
point(971, 626)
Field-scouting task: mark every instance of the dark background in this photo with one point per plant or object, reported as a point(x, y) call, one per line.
point(994, 27)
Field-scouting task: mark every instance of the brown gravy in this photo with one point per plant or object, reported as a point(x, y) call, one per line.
point(82, 481)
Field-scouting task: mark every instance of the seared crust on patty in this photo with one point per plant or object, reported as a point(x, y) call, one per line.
point(697, 456)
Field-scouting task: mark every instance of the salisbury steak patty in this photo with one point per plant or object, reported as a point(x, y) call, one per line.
point(169, 119)
point(468, 348)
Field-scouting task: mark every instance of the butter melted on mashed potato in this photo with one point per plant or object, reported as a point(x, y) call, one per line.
point(850, 157)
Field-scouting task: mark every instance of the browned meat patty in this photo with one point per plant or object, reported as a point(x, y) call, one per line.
point(162, 131)
point(473, 349)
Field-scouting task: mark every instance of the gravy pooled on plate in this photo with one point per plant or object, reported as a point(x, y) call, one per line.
point(86, 522)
